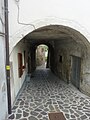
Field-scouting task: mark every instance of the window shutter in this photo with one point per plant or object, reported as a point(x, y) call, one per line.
point(20, 71)
point(24, 59)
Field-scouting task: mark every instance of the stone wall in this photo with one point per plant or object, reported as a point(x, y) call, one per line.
point(85, 80)
point(40, 55)
point(63, 63)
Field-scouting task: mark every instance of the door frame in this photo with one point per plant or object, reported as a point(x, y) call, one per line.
point(77, 71)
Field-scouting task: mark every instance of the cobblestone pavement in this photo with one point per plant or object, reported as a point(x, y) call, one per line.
point(45, 93)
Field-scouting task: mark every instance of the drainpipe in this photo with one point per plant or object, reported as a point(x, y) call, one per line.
point(7, 56)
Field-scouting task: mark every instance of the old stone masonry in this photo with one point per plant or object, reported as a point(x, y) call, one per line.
point(45, 93)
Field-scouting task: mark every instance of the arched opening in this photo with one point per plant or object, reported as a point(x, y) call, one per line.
point(32, 65)
point(68, 59)
point(64, 45)
point(41, 56)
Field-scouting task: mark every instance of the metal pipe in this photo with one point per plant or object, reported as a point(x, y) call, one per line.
point(2, 34)
point(7, 56)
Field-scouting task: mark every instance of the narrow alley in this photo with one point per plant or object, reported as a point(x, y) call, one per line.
point(52, 34)
point(44, 93)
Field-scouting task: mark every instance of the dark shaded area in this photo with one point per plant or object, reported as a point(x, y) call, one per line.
point(32, 57)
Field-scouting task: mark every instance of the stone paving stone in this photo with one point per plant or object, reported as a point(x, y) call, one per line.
point(46, 110)
point(67, 115)
point(39, 116)
point(72, 119)
point(32, 118)
point(12, 116)
point(45, 118)
point(25, 114)
point(17, 103)
point(22, 103)
point(38, 110)
point(76, 114)
point(78, 119)
point(45, 93)
point(15, 107)
point(18, 116)
point(23, 119)
point(73, 116)
point(83, 117)
point(71, 111)
point(51, 107)
point(43, 113)
point(79, 112)
point(19, 111)
point(88, 114)
point(34, 113)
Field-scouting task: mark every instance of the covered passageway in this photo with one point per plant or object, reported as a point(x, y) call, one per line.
point(67, 65)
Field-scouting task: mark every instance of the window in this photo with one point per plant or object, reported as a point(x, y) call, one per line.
point(60, 59)
point(20, 71)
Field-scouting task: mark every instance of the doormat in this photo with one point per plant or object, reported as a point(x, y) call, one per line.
point(56, 116)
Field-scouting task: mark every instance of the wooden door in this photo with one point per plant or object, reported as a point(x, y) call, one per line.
point(76, 70)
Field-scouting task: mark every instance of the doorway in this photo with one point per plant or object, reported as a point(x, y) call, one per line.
point(76, 70)
point(41, 56)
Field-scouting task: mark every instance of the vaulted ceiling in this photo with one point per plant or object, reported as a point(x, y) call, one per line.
point(53, 33)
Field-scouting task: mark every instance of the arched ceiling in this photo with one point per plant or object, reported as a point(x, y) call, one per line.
point(47, 33)
point(52, 33)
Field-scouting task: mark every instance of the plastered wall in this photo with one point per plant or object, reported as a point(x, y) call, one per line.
point(3, 85)
point(64, 68)
point(16, 81)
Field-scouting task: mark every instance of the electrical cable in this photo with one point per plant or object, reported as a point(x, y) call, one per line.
point(1, 20)
point(1, 33)
point(17, 3)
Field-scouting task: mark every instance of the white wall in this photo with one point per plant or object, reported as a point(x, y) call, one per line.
point(74, 14)
point(77, 10)
point(3, 88)
point(16, 82)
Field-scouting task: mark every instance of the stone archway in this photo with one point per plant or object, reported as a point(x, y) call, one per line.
point(72, 34)
point(50, 58)
point(16, 37)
